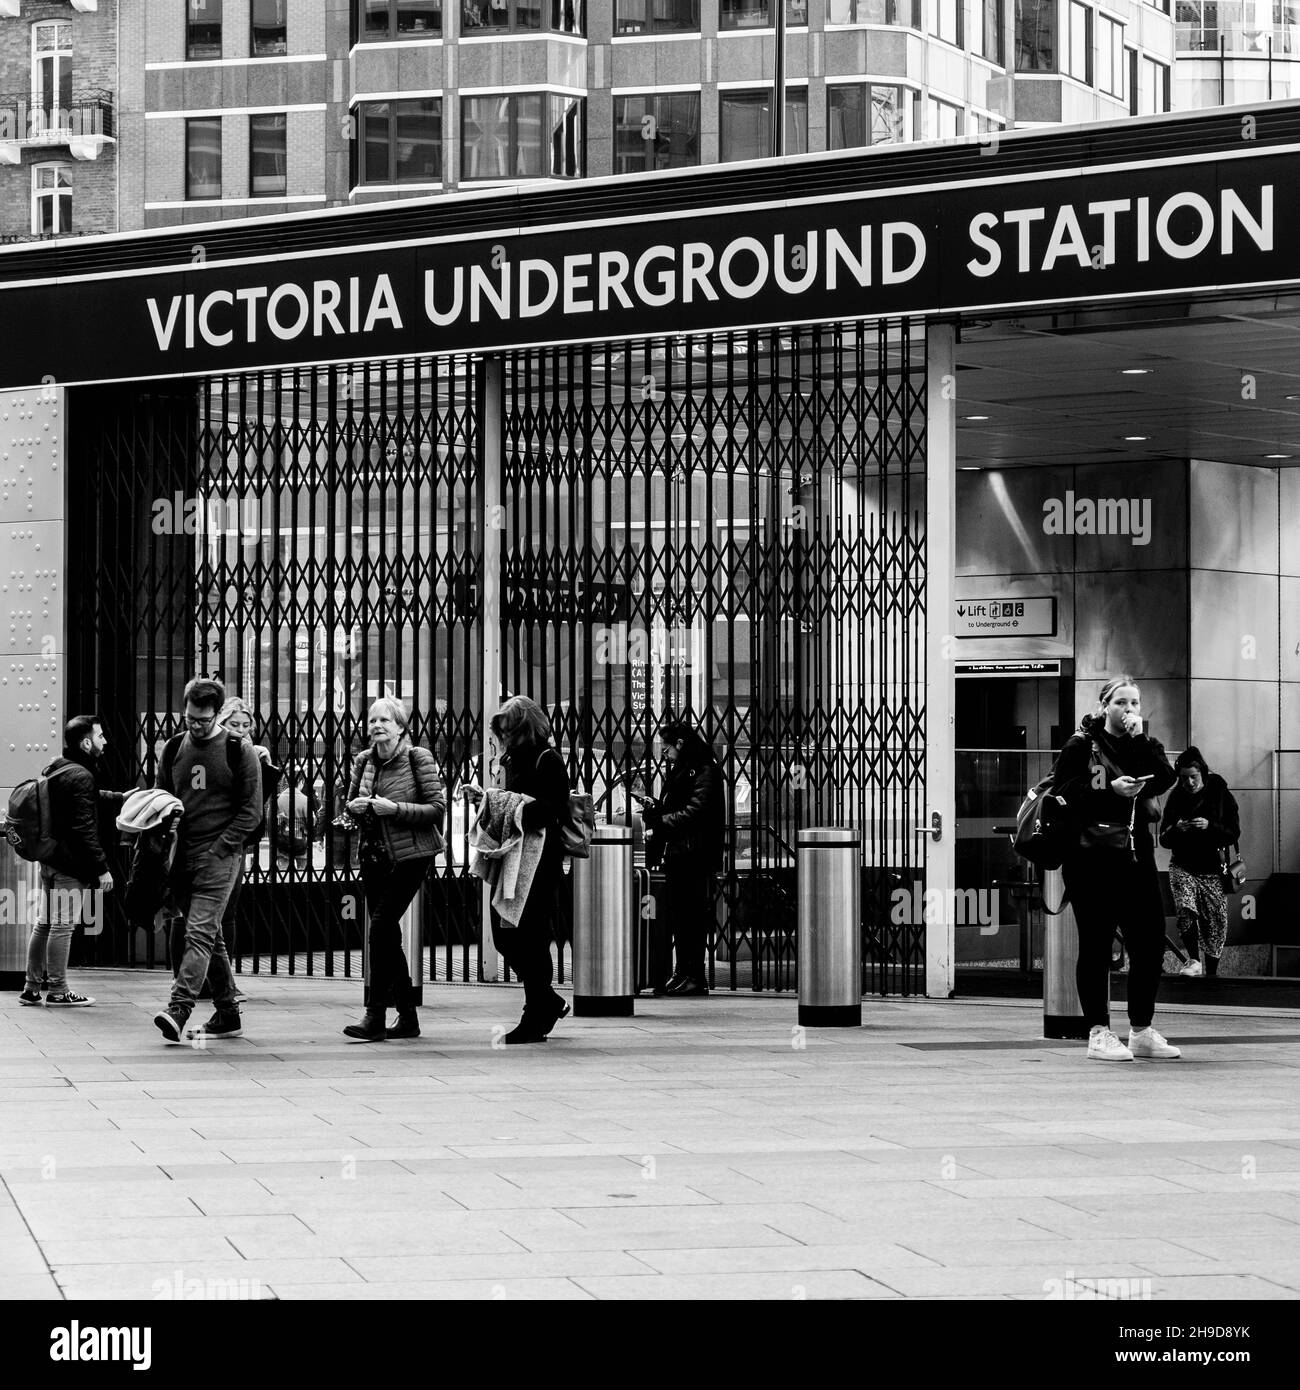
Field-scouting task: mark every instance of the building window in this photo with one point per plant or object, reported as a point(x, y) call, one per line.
point(267, 172)
point(988, 32)
point(1110, 56)
point(904, 13)
point(1154, 97)
point(202, 28)
point(656, 132)
point(203, 157)
point(530, 135)
point(51, 200)
point(948, 21)
point(746, 125)
point(1035, 35)
point(269, 36)
point(400, 142)
point(379, 21)
point(866, 114)
point(1131, 62)
point(1079, 51)
point(506, 16)
point(759, 14)
point(943, 121)
point(656, 16)
point(52, 74)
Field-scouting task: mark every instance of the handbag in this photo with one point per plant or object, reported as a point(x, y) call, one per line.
point(576, 831)
point(1234, 869)
point(1110, 835)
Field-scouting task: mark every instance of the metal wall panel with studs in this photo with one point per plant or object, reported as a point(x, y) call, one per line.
point(32, 496)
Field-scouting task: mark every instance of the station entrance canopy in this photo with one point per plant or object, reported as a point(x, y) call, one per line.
point(704, 464)
point(1167, 206)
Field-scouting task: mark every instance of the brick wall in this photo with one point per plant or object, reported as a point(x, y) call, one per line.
point(94, 66)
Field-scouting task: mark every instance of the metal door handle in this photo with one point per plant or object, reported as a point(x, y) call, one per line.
point(935, 827)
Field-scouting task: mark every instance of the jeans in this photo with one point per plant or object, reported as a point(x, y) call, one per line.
point(389, 890)
point(51, 938)
point(202, 894)
point(1110, 892)
point(176, 930)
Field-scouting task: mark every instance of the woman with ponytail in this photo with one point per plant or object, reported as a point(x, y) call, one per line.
point(1110, 773)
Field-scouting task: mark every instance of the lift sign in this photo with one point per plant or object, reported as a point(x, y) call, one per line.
point(1005, 617)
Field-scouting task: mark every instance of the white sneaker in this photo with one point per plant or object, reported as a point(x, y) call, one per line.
point(1146, 1042)
point(1104, 1046)
point(1192, 969)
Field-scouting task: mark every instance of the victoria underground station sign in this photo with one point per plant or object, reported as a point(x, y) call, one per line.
point(1221, 221)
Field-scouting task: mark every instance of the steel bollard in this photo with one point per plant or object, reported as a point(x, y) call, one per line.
point(1062, 1012)
point(830, 927)
point(20, 889)
point(604, 944)
point(412, 926)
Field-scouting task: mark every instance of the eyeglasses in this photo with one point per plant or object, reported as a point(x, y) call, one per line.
point(197, 723)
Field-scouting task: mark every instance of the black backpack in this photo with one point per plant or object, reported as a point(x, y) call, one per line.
point(270, 775)
point(1042, 833)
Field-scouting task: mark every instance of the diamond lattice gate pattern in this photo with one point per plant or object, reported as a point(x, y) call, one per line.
point(303, 536)
point(731, 527)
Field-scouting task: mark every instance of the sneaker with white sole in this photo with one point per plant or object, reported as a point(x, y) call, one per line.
point(69, 999)
point(1104, 1046)
point(1192, 969)
point(170, 1023)
point(30, 996)
point(1146, 1042)
point(218, 1026)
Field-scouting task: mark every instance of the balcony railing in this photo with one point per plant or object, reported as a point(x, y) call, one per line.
point(24, 122)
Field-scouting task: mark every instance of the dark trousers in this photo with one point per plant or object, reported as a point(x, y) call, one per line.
point(1109, 893)
point(526, 949)
point(689, 910)
point(389, 891)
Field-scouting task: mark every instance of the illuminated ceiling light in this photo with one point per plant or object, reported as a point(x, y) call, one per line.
point(1277, 456)
point(1136, 438)
point(974, 417)
point(1136, 371)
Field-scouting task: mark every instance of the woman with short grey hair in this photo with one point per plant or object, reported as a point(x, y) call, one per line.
point(395, 796)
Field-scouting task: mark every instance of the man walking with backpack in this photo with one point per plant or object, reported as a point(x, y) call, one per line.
point(216, 776)
point(72, 867)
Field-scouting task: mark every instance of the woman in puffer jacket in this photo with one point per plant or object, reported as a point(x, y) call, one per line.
point(1201, 819)
point(395, 796)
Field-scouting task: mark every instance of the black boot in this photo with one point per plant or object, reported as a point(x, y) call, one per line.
point(407, 1025)
point(529, 1029)
point(370, 1029)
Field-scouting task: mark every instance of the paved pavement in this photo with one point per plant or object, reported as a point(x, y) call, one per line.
point(704, 1149)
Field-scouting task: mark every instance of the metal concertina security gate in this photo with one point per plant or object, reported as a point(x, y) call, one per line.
point(728, 526)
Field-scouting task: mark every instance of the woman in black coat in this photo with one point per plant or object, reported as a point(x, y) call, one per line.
point(532, 766)
point(1109, 774)
point(1201, 819)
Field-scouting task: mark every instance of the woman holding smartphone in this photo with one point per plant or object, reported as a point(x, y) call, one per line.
point(1109, 774)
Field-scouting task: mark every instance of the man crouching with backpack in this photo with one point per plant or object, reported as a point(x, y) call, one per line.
point(75, 867)
point(221, 790)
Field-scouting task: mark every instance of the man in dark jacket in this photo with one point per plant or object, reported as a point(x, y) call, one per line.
point(689, 825)
point(76, 873)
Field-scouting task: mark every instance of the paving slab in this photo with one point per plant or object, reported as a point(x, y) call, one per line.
point(944, 1150)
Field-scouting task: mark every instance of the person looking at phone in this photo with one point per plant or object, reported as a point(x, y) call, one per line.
point(1201, 819)
point(1109, 773)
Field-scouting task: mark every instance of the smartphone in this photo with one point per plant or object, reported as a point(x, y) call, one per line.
point(638, 798)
